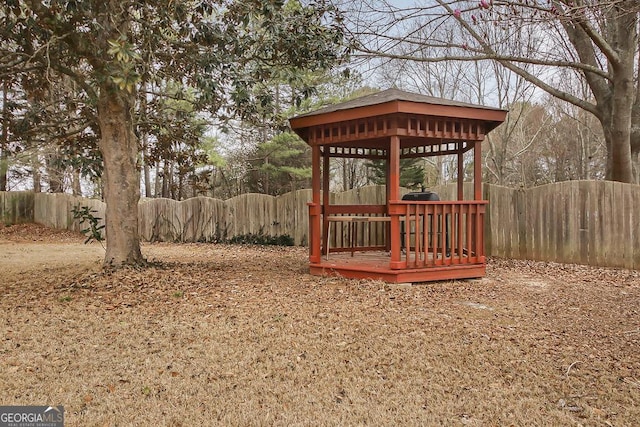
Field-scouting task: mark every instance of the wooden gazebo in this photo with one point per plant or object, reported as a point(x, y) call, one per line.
point(401, 240)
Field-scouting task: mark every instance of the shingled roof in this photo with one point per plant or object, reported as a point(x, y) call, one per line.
point(391, 95)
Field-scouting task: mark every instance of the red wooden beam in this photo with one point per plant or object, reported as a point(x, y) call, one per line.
point(314, 207)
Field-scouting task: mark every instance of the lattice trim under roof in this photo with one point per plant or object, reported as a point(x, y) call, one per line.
point(441, 149)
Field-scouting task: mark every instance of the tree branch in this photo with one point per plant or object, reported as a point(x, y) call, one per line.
point(599, 41)
point(581, 42)
point(480, 56)
point(565, 96)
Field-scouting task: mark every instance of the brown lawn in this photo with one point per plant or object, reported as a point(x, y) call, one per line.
point(242, 336)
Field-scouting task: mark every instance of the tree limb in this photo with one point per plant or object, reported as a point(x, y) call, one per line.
point(519, 70)
point(486, 56)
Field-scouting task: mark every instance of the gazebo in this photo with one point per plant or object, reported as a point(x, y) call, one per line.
point(403, 240)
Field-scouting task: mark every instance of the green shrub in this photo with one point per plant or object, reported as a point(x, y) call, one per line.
point(93, 231)
point(262, 239)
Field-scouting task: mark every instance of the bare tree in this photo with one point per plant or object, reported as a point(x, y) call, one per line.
point(475, 82)
point(535, 39)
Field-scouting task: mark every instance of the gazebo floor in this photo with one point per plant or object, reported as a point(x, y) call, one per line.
point(375, 266)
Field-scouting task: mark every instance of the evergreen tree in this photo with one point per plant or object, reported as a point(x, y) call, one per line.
point(280, 165)
point(411, 172)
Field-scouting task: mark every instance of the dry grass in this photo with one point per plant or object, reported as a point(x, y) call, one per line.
point(231, 335)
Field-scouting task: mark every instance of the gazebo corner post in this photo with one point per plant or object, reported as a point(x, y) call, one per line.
point(325, 200)
point(393, 197)
point(477, 170)
point(315, 210)
point(478, 225)
point(460, 171)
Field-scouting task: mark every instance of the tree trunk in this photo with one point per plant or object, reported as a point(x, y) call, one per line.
point(147, 179)
point(4, 163)
point(212, 183)
point(617, 107)
point(35, 165)
point(167, 180)
point(146, 167)
point(345, 185)
point(635, 132)
point(119, 148)
point(4, 156)
point(157, 184)
point(55, 174)
point(145, 144)
point(76, 188)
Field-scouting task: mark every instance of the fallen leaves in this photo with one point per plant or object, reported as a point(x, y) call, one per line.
point(237, 335)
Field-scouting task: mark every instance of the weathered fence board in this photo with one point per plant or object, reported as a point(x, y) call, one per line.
point(16, 207)
point(501, 221)
point(200, 219)
point(55, 210)
point(252, 214)
point(584, 222)
point(292, 216)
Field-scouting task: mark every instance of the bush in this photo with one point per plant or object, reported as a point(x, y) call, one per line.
point(93, 231)
point(262, 239)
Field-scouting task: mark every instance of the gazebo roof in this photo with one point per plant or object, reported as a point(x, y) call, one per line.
point(393, 101)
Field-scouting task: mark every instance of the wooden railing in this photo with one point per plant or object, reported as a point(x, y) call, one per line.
point(429, 234)
point(441, 233)
point(356, 228)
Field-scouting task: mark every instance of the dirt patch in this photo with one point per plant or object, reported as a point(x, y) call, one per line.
point(237, 335)
point(31, 248)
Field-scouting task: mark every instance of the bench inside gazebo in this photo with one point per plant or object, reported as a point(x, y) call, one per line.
point(402, 240)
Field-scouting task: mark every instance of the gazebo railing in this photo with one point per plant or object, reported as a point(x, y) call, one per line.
point(429, 234)
point(441, 233)
point(350, 228)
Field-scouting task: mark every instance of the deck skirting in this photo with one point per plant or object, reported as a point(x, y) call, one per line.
point(377, 267)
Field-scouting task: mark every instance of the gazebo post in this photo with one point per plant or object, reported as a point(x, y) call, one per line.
point(325, 200)
point(314, 206)
point(387, 183)
point(460, 171)
point(478, 231)
point(393, 196)
point(477, 170)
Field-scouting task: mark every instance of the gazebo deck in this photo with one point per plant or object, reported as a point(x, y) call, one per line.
point(376, 266)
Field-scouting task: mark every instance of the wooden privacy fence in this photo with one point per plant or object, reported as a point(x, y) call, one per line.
point(203, 219)
point(16, 207)
point(583, 222)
